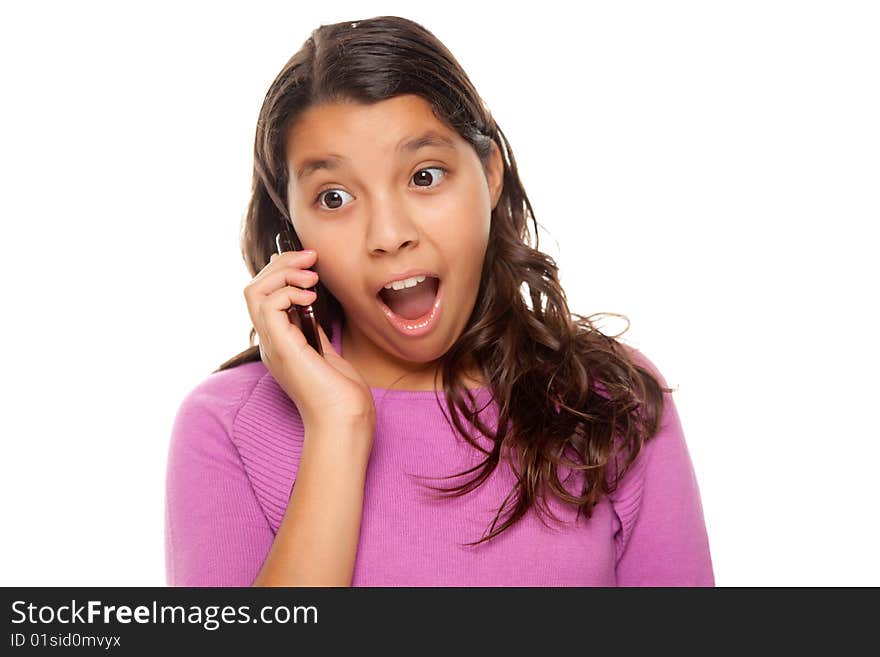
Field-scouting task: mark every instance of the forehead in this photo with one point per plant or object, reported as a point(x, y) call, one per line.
point(348, 127)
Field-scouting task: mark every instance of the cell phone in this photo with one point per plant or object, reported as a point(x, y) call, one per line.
point(287, 240)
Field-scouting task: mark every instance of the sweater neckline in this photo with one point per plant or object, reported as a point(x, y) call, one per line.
point(395, 393)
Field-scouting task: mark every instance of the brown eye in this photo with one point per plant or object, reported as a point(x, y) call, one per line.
point(333, 197)
point(422, 176)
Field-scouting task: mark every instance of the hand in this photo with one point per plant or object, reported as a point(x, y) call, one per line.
point(327, 391)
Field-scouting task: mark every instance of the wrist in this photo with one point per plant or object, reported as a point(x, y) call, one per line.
point(340, 439)
point(354, 423)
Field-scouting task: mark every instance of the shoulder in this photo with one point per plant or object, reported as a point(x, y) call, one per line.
point(669, 431)
point(243, 426)
point(238, 425)
point(664, 451)
point(640, 359)
point(217, 398)
point(669, 418)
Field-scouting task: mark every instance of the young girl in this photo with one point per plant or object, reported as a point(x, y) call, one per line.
point(287, 467)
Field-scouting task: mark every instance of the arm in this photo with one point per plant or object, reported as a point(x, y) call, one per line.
point(663, 537)
point(215, 531)
point(317, 540)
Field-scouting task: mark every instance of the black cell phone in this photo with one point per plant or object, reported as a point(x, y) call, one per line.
point(287, 240)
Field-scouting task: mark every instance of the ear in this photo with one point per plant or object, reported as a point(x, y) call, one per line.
point(495, 174)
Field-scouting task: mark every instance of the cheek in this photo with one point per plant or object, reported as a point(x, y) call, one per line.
point(465, 256)
point(463, 241)
point(464, 221)
point(333, 277)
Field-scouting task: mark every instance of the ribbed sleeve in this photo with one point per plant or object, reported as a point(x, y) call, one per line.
point(216, 533)
point(268, 433)
point(662, 540)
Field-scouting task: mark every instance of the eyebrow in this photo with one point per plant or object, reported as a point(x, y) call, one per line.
point(332, 160)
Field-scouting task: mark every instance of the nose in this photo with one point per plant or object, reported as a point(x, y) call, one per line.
point(391, 229)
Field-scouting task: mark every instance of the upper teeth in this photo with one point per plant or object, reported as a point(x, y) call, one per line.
point(406, 282)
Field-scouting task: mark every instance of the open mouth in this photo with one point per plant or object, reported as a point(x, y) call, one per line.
point(414, 302)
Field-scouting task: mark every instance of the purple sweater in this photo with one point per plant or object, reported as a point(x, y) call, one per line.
point(233, 456)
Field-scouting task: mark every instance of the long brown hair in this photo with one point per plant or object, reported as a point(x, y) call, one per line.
point(567, 393)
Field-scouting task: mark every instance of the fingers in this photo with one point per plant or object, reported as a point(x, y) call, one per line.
point(301, 278)
point(285, 297)
point(280, 284)
point(276, 314)
point(289, 268)
point(295, 259)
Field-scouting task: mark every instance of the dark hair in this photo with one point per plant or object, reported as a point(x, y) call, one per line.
point(567, 393)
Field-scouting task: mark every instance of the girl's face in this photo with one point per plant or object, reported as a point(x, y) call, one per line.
point(374, 208)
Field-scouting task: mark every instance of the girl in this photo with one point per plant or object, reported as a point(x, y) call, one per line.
point(287, 467)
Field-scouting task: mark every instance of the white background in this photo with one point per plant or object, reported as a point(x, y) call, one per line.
point(708, 169)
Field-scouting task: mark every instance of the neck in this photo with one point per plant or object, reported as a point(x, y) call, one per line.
point(383, 371)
